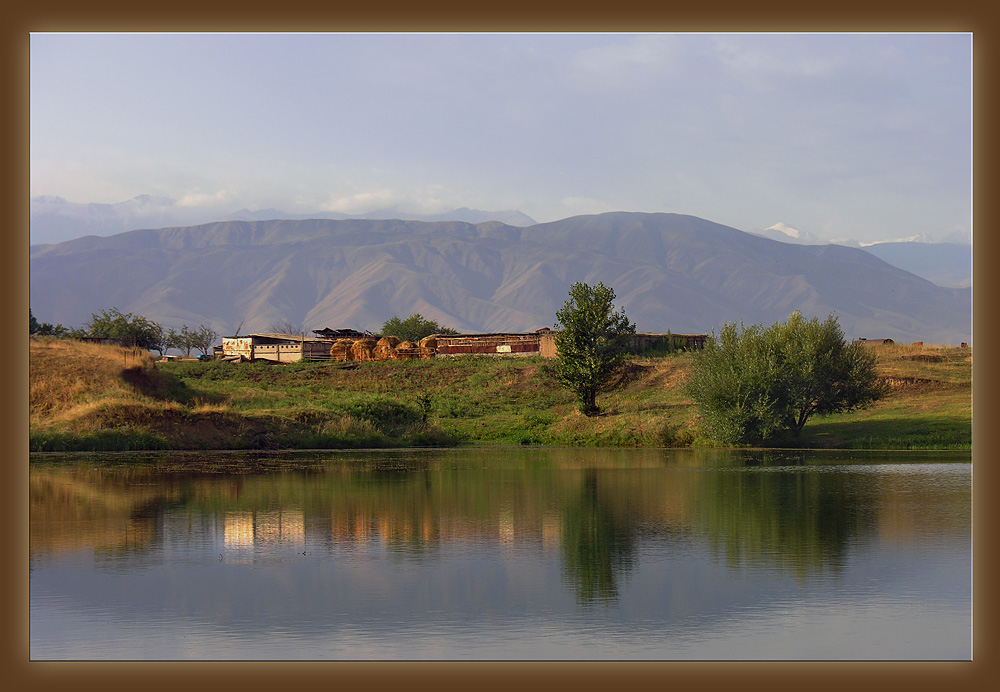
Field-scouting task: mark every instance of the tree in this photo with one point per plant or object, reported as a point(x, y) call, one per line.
point(183, 340)
point(591, 342)
point(286, 327)
point(134, 330)
point(44, 328)
point(203, 338)
point(753, 384)
point(413, 328)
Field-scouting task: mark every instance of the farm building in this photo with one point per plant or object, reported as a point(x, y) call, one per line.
point(646, 341)
point(504, 343)
point(277, 348)
point(543, 343)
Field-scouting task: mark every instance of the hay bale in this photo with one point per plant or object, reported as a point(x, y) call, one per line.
point(428, 342)
point(341, 350)
point(362, 350)
point(426, 353)
point(383, 352)
point(388, 341)
point(405, 345)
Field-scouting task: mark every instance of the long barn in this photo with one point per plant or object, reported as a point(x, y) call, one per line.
point(275, 347)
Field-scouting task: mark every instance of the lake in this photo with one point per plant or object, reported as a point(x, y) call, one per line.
point(501, 553)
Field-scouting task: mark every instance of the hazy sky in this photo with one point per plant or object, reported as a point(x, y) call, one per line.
point(862, 136)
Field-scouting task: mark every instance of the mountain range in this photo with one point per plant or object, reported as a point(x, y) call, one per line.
point(54, 219)
point(669, 271)
point(944, 263)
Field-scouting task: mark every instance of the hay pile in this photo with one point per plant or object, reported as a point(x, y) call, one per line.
point(385, 348)
point(363, 350)
point(341, 350)
point(406, 350)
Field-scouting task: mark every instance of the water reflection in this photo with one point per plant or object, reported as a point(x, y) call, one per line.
point(598, 540)
point(770, 511)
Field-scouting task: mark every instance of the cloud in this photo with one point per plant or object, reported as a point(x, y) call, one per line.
point(426, 201)
point(201, 199)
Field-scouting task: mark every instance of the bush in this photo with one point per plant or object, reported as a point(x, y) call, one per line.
point(753, 384)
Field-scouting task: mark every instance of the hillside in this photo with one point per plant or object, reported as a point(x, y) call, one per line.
point(90, 397)
point(669, 271)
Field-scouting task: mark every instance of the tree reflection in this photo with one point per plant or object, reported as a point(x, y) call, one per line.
point(786, 518)
point(598, 543)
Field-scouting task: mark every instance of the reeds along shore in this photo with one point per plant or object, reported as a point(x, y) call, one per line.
point(93, 397)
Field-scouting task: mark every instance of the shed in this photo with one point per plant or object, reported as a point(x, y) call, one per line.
point(873, 342)
point(511, 344)
point(275, 347)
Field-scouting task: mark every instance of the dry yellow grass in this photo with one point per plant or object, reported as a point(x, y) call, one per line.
point(69, 377)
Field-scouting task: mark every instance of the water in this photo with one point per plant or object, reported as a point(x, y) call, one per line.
point(501, 553)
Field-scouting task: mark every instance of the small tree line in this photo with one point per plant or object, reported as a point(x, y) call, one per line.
point(133, 330)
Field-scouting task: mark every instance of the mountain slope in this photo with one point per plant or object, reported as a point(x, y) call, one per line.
point(945, 264)
point(669, 271)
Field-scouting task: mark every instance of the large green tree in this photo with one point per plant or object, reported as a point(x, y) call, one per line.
point(591, 342)
point(753, 384)
point(413, 328)
point(133, 330)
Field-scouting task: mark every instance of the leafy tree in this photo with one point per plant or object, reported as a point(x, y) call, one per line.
point(752, 384)
point(183, 340)
point(413, 328)
point(158, 340)
point(203, 338)
point(591, 342)
point(134, 330)
point(44, 328)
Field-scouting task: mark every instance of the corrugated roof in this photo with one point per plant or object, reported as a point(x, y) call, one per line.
point(286, 337)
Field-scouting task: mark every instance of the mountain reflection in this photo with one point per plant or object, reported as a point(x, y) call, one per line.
point(591, 516)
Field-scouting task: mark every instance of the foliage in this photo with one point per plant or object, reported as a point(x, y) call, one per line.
point(591, 342)
point(187, 339)
point(133, 330)
point(413, 328)
point(752, 384)
point(44, 328)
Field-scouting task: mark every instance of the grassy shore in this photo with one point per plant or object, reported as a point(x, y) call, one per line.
point(103, 398)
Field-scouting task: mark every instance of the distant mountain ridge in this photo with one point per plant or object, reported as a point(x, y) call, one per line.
point(943, 263)
point(53, 219)
point(669, 271)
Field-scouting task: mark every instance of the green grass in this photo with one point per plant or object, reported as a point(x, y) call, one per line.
point(447, 401)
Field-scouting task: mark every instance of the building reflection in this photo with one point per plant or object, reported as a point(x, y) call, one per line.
point(249, 529)
point(593, 520)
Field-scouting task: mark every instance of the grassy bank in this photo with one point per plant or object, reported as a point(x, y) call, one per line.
point(89, 397)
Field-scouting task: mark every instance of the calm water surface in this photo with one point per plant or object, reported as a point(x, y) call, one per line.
point(501, 553)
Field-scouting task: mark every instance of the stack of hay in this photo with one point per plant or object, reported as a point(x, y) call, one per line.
point(363, 350)
point(427, 347)
point(385, 347)
point(406, 350)
point(341, 350)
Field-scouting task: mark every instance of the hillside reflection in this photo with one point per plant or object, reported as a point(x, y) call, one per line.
point(590, 511)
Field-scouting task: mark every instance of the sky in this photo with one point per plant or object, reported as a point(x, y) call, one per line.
point(861, 136)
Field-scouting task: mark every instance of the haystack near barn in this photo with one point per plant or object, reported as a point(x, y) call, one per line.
point(362, 350)
point(407, 350)
point(384, 348)
point(341, 350)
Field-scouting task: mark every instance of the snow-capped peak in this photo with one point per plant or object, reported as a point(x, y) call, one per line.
point(785, 229)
